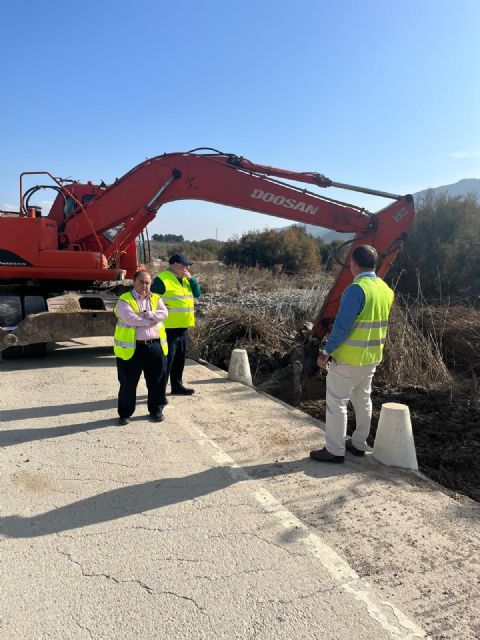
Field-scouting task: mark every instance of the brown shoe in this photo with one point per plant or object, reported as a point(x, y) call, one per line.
point(322, 455)
point(353, 450)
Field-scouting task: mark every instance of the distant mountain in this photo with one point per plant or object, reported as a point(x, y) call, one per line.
point(330, 236)
point(464, 187)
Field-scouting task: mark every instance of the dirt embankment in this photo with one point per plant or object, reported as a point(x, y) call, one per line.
point(440, 387)
point(446, 429)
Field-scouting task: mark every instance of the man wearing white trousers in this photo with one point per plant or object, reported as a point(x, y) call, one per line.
point(355, 348)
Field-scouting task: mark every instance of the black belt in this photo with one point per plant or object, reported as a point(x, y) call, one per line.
point(148, 341)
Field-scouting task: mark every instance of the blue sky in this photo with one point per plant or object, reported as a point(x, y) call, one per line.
point(378, 93)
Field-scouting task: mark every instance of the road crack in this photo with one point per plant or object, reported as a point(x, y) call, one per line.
point(87, 574)
point(83, 627)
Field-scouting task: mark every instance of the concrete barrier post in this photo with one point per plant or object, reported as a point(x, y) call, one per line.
point(394, 443)
point(239, 367)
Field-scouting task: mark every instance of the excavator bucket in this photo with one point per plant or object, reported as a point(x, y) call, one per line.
point(64, 320)
point(57, 327)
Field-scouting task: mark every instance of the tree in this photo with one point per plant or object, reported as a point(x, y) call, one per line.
point(291, 250)
point(442, 252)
point(167, 237)
point(196, 250)
point(327, 253)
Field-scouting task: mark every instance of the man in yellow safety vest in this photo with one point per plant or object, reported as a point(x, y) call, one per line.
point(140, 344)
point(355, 348)
point(178, 289)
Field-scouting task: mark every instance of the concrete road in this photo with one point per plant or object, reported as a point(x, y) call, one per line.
point(214, 523)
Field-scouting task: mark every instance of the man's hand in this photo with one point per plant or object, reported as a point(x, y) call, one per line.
point(188, 275)
point(322, 360)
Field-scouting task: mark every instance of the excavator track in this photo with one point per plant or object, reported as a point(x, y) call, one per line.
point(10, 316)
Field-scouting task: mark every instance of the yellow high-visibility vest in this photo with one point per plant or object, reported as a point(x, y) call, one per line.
point(364, 344)
point(124, 339)
point(178, 299)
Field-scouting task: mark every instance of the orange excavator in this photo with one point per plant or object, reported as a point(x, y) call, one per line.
point(56, 270)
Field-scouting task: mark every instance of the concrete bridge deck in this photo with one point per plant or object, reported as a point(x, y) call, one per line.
point(214, 523)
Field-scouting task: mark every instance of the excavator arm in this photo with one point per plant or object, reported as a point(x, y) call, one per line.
point(89, 235)
point(133, 201)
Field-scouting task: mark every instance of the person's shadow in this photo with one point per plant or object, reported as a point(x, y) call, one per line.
point(139, 498)
point(11, 437)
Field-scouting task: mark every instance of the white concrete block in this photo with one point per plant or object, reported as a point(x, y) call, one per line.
point(394, 443)
point(239, 367)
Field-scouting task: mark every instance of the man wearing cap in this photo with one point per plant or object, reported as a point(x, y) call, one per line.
point(355, 348)
point(178, 288)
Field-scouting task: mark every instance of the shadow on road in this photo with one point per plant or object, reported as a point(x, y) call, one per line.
point(58, 410)
point(140, 498)
point(98, 356)
point(12, 437)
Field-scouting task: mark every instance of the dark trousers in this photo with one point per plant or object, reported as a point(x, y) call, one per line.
point(177, 351)
point(148, 358)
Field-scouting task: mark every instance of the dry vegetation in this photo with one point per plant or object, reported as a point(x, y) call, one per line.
point(219, 278)
point(457, 332)
point(411, 357)
point(431, 363)
point(269, 329)
point(256, 310)
point(231, 327)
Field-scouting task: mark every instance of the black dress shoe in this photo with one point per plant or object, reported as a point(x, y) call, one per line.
point(157, 417)
point(123, 421)
point(183, 391)
point(351, 449)
point(322, 455)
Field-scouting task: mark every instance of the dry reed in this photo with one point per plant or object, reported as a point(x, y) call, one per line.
point(410, 357)
point(424, 342)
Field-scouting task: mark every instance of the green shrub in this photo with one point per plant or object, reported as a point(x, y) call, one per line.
point(195, 250)
point(167, 237)
point(290, 250)
point(441, 256)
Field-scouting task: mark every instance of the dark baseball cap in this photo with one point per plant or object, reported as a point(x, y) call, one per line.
point(177, 258)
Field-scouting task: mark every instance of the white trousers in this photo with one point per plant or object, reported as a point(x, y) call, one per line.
point(346, 382)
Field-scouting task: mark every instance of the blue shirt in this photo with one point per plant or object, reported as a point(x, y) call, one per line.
point(351, 304)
